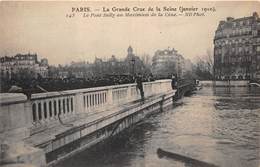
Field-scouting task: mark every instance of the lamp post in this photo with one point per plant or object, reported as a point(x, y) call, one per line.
point(133, 65)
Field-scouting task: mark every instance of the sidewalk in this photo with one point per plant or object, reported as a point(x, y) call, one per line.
point(87, 118)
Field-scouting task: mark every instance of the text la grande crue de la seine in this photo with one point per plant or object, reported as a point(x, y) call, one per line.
point(142, 9)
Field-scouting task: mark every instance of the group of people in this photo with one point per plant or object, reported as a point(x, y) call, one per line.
point(46, 85)
point(58, 84)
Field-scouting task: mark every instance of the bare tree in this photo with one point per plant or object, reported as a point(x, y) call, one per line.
point(204, 65)
point(209, 60)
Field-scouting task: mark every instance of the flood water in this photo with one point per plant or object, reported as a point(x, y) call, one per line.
point(220, 126)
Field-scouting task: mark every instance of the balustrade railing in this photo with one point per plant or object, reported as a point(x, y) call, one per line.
point(46, 109)
point(52, 106)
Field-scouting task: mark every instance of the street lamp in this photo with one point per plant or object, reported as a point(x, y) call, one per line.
point(133, 64)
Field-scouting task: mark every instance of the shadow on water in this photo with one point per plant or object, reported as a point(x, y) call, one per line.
point(189, 162)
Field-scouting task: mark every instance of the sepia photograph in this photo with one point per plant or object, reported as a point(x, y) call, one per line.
point(130, 83)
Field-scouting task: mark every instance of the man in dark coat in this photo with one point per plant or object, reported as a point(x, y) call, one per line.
point(139, 85)
point(174, 82)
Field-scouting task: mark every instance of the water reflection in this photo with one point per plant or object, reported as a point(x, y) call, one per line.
point(219, 126)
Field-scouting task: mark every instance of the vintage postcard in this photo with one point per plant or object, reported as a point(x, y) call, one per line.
point(130, 83)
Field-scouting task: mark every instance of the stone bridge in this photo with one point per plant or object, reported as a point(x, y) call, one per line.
point(52, 126)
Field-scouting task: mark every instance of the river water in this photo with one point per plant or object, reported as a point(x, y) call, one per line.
point(220, 126)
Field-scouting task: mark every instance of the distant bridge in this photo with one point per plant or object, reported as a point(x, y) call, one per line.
point(184, 86)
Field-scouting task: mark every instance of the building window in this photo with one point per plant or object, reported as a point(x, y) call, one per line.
point(258, 48)
point(243, 31)
point(246, 49)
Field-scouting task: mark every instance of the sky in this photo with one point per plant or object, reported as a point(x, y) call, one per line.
point(42, 28)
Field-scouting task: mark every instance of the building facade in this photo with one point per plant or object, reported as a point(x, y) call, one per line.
point(23, 63)
point(167, 62)
point(237, 49)
point(134, 63)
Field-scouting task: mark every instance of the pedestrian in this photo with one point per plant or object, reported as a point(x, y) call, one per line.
point(139, 85)
point(174, 82)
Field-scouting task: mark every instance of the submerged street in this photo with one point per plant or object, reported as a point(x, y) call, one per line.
point(220, 126)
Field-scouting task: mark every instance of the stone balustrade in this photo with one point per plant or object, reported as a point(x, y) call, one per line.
point(44, 109)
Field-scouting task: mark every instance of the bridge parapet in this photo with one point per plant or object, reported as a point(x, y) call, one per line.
point(44, 110)
point(60, 124)
point(14, 116)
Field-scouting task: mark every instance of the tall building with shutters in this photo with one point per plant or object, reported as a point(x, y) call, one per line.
point(237, 49)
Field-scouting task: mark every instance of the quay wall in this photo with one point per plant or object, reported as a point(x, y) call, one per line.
point(58, 124)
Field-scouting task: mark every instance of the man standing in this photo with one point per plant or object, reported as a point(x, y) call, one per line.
point(139, 85)
point(174, 82)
